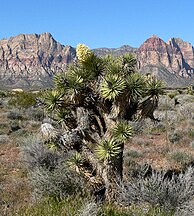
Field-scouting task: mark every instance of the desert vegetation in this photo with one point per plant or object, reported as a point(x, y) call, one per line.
point(105, 140)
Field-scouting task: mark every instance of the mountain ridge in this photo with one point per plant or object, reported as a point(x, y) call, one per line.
point(32, 59)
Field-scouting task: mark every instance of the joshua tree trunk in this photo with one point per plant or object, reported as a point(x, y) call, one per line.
point(112, 174)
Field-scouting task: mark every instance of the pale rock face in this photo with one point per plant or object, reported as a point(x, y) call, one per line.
point(27, 58)
point(186, 49)
point(31, 56)
point(154, 51)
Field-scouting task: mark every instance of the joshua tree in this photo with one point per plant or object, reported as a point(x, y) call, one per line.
point(93, 100)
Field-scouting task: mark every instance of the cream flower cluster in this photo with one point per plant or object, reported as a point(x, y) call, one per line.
point(83, 52)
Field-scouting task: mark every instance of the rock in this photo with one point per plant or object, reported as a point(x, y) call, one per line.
point(28, 58)
point(31, 60)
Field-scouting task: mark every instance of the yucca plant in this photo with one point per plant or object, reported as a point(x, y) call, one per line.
point(128, 62)
point(60, 81)
point(75, 161)
point(135, 86)
point(89, 98)
point(112, 86)
point(122, 131)
point(53, 100)
point(108, 149)
point(154, 87)
point(149, 103)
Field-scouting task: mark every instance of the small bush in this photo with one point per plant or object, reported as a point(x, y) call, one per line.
point(159, 128)
point(157, 189)
point(89, 208)
point(173, 94)
point(4, 139)
point(36, 155)
point(58, 183)
point(179, 157)
point(175, 137)
point(20, 133)
point(23, 99)
point(36, 114)
point(4, 125)
point(133, 153)
point(15, 115)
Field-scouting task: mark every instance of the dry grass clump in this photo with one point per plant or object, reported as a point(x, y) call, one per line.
point(168, 191)
point(180, 157)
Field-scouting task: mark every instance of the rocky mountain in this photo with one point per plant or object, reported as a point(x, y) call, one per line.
point(172, 62)
point(32, 59)
point(115, 51)
point(175, 57)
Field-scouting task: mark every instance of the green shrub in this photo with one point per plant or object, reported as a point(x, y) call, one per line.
point(179, 157)
point(175, 137)
point(58, 183)
point(169, 193)
point(4, 139)
point(36, 114)
point(173, 94)
point(191, 133)
point(23, 99)
point(15, 115)
point(133, 153)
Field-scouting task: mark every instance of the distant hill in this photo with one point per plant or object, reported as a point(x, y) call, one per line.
point(31, 60)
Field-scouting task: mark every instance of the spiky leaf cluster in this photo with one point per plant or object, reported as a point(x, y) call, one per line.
point(122, 131)
point(108, 149)
point(53, 100)
point(112, 86)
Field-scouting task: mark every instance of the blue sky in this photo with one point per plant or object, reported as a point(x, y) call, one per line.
point(100, 23)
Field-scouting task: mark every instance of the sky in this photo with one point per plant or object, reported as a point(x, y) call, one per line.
point(100, 23)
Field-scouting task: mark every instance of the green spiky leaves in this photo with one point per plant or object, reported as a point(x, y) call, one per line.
point(122, 132)
point(154, 87)
point(135, 86)
point(76, 161)
point(108, 149)
point(112, 86)
point(53, 100)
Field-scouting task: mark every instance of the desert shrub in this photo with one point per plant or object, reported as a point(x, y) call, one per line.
point(170, 116)
point(89, 208)
point(4, 125)
point(133, 153)
point(36, 114)
point(158, 128)
point(57, 183)
point(191, 133)
point(141, 141)
point(186, 110)
point(173, 94)
point(14, 126)
point(157, 189)
point(15, 115)
point(20, 133)
point(36, 154)
point(175, 137)
point(23, 99)
point(179, 157)
point(166, 103)
point(4, 139)
point(185, 98)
